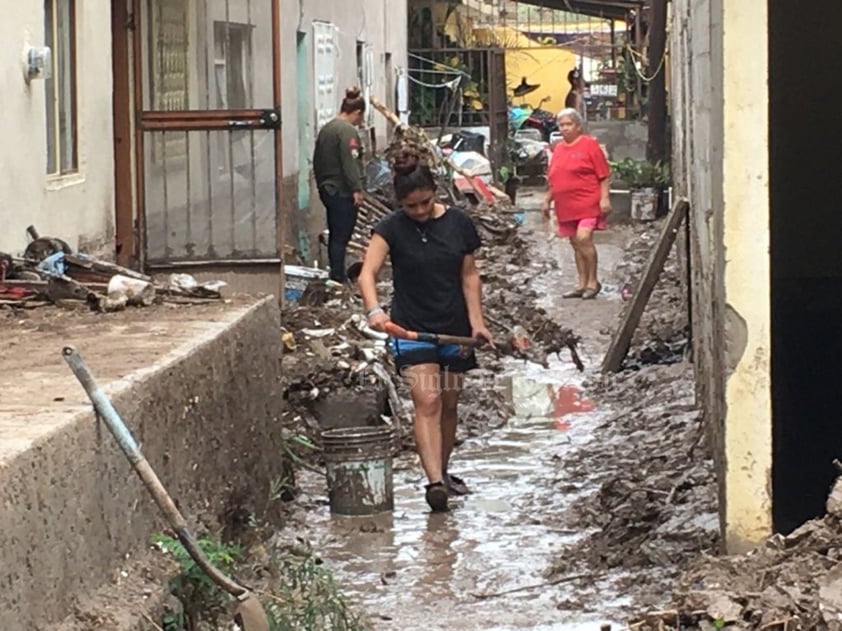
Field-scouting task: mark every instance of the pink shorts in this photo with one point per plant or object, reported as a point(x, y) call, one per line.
point(570, 228)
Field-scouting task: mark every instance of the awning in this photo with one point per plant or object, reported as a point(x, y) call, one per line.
point(613, 9)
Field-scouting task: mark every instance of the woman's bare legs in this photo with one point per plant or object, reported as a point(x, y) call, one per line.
point(585, 247)
point(451, 389)
point(425, 389)
point(581, 269)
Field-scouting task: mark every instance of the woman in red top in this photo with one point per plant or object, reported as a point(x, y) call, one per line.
point(578, 188)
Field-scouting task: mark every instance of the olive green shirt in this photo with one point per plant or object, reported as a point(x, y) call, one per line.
point(338, 158)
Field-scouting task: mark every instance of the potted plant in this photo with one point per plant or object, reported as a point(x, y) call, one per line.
point(646, 180)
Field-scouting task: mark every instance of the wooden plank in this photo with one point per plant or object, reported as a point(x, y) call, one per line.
point(104, 268)
point(43, 285)
point(621, 341)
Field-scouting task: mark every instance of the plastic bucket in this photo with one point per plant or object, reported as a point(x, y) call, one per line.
point(297, 278)
point(644, 204)
point(359, 470)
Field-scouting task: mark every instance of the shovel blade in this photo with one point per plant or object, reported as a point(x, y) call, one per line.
point(250, 615)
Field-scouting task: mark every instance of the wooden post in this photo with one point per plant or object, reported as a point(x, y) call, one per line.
point(656, 146)
point(621, 341)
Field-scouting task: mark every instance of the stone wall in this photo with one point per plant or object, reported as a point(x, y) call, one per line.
point(696, 92)
point(207, 417)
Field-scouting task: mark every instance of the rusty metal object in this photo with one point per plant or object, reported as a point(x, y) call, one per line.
point(251, 615)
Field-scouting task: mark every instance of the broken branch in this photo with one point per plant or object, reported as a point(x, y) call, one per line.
point(558, 581)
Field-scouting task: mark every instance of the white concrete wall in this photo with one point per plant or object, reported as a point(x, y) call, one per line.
point(382, 23)
point(748, 426)
point(79, 207)
point(720, 162)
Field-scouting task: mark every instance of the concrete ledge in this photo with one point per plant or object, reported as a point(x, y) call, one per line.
point(207, 416)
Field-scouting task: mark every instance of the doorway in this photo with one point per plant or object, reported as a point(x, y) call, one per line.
point(804, 128)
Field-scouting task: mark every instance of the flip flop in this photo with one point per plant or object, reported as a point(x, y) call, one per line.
point(591, 293)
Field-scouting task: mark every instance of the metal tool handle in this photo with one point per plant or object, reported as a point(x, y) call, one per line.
point(128, 445)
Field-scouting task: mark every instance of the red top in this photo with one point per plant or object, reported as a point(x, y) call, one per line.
point(574, 176)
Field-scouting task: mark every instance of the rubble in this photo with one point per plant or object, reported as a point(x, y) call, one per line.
point(791, 582)
point(328, 350)
point(50, 273)
point(648, 499)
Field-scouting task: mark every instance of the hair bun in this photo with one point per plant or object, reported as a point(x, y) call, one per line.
point(406, 160)
point(353, 92)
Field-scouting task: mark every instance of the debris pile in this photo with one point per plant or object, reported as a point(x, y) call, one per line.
point(331, 353)
point(663, 336)
point(49, 272)
point(790, 582)
point(647, 488)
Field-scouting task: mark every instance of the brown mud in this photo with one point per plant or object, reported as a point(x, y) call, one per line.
point(593, 493)
point(328, 356)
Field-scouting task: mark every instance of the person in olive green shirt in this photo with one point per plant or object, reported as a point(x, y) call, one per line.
point(338, 168)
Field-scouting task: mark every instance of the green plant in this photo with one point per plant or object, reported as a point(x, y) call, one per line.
point(201, 599)
point(306, 597)
point(295, 450)
point(641, 173)
point(423, 105)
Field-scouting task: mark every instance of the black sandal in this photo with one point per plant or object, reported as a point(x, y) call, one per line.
point(436, 496)
point(456, 485)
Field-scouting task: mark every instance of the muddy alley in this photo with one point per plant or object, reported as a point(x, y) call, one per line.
point(576, 518)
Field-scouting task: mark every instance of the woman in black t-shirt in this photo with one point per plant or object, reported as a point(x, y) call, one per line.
point(437, 289)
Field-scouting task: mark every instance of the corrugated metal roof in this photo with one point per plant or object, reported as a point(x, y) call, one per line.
point(615, 9)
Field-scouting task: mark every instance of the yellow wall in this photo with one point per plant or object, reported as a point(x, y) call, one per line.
point(748, 424)
point(547, 67)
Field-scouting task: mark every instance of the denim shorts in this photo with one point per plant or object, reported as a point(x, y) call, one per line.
point(449, 357)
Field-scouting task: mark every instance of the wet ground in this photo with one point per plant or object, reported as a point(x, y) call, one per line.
point(485, 564)
point(492, 563)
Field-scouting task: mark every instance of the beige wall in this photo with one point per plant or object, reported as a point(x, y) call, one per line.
point(78, 208)
point(748, 427)
point(382, 23)
point(720, 153)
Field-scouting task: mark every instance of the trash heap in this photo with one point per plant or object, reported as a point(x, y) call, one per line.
point(331, 353)
point(789, 581)
point(50, 273)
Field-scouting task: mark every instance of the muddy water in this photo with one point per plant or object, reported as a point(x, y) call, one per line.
point(484, 565)
point(418, 570)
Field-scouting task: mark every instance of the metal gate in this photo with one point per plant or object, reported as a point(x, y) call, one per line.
point(207, 78)
point(484, 70)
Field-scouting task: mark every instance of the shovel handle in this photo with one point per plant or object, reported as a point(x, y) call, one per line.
point(144, 470)
point(434, 338)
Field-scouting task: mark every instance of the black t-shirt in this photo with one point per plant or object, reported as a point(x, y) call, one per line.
point(427, 270)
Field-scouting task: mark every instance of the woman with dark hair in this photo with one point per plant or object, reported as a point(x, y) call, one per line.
point(575, 99)
point(338, 168)
point(437, 289)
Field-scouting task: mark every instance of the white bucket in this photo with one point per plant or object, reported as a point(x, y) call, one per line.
point(644, 204)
